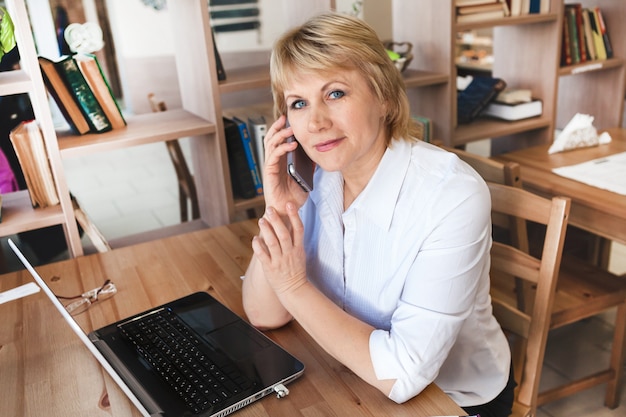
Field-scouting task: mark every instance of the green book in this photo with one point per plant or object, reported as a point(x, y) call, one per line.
point(86, 100)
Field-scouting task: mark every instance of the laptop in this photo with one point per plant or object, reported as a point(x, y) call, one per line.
point(192, 356)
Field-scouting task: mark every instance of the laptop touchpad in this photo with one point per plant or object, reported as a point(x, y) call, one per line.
point(237, 340)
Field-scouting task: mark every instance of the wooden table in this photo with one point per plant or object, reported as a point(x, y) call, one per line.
point(598, 211)
point(46, 371)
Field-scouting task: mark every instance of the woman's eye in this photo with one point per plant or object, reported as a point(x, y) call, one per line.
point(298, 104)
point(336, 94)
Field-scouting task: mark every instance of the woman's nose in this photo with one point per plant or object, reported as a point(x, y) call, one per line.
point(318, 119)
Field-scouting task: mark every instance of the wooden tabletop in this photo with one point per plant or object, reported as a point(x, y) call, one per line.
point(46, 371)
point(599, 211)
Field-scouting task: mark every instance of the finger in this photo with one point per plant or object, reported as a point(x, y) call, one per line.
point(297, 227)
point(272, 244)
point(280, 228)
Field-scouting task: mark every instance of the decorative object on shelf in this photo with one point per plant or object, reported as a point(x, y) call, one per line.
point(400, 53)
point(84, 38)
point(578, 133)
point(7, 35)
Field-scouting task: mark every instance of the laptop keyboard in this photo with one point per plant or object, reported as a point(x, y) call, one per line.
point(173, 351)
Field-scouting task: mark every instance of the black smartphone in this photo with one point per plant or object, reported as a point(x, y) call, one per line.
point(299, 166)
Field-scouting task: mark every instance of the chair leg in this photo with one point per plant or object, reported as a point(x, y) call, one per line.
point(618, 355)
point(182, 201)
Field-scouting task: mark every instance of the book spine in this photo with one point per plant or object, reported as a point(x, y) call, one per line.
point(63, 97)
point(566, 54)
point(244, 134)
point(581, 33)
point(241, 179)
point(573, 34)
point(591, 49)
point(597, 35)
point(605, 34)
point(83, 95)
point(258, 130)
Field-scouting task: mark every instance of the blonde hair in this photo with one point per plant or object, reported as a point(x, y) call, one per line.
point(332, 41)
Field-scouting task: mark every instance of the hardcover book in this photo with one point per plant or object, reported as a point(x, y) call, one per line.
point(248, 148)
point(512, 112)
point(31, 153)
point(241, 177)
point(91, 70)
point(476, 96)
point(63, 97)
point(87, 102)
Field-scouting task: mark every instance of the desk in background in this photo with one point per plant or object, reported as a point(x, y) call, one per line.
point(46, 371)
point(598, 211)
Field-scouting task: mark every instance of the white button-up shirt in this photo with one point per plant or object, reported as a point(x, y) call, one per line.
point(410, 257)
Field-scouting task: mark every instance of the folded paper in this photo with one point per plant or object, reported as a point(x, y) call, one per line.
point(579, 133)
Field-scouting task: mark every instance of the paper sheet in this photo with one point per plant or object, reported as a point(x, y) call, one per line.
point(608, 173)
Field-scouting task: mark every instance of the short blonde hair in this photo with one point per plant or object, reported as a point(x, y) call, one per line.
point(332, 41)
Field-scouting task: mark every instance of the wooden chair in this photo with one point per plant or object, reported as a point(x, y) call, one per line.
point(530, 325)
point(186, 185)
point(583, 291)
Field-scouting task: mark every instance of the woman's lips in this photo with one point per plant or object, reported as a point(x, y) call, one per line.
point(328, 145)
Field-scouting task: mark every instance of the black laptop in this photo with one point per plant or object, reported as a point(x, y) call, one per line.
point(192, 356)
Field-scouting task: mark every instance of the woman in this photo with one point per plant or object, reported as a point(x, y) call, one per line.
point(386, 262)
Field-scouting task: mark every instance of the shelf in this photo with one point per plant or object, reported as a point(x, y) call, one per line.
point(142, 129)
point(591, 66)
point(245, 78)
point(508, 21)
point(14, 82)
point(484, 128)
point(18, 214)
point(416, 78)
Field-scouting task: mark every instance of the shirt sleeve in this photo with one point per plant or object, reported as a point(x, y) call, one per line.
point(440, 289)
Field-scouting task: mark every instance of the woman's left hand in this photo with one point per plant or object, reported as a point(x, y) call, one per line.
point(279, 248)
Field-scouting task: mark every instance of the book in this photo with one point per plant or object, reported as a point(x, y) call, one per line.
point(31, 153)
point(63, 97)
point(68, 68)
point(608, 47)
point(514, 96)
point(475, 97)
point(479, 8)
point(479, 17)
point(69, 72)
point(92, 71)
point(597, 34)
point(240, 175)
point(570, 21)
point(423, 124)
point(221, 73)
point(578, 9)
point(591, 49)
point(258, 129)
point(512, 112)
point(244, 135)
point(534, 6)
point(566, 49)
point(461, 3)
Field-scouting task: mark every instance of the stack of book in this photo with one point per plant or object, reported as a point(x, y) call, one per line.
point(514, 104)
point(82, 93)
point(585, 36)
point(244, 142)
point(478, 10)
point(31, 153)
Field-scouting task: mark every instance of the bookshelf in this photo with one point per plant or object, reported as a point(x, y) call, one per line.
point(18, 215)
point(527, 55)
point(431, 26)
point(197, 119)
point(597, 87)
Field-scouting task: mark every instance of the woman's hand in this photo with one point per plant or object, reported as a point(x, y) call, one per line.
point(278, 187)
point(279, 248)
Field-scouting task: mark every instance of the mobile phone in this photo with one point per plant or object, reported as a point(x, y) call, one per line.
point(299, 166)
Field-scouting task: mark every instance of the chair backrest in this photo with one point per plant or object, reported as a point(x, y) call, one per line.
point(510, 264)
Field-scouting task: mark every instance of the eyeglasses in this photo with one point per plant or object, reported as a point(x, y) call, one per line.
point(86, 299)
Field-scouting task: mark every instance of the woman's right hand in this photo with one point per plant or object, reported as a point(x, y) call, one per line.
point(278, 187)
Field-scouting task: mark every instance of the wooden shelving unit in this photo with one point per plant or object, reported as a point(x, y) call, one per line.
point(527, 55)
point(18, 212)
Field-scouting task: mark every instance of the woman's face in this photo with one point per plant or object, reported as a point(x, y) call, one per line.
point(338, 120)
